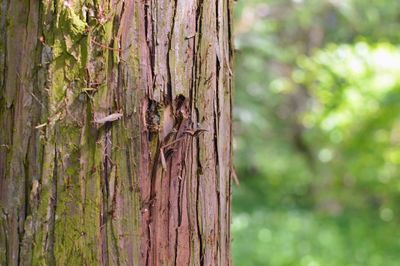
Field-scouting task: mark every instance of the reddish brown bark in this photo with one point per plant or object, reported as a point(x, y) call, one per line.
point(116, 146)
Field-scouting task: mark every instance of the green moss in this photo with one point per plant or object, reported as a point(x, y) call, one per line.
point(57, 92)
point(84, 44)
point(72, 24)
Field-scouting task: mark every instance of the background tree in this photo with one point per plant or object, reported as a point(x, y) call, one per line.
point(317, 132)
point(116, 132)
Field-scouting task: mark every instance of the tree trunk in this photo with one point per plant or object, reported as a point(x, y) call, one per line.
point(115, 140)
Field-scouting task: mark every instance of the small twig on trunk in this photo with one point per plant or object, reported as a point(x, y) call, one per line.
point(109, 118)
point(106, 46)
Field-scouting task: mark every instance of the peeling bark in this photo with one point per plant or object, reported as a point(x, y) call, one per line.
point(115, 146)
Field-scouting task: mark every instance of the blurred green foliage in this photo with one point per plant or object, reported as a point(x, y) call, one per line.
point(317, 132)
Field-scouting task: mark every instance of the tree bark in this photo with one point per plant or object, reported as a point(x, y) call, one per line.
point(115, 140)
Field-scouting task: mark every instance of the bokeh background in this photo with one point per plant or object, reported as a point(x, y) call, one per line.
point(317, 133)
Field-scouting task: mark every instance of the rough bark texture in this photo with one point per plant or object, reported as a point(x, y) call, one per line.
point(115, 140)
